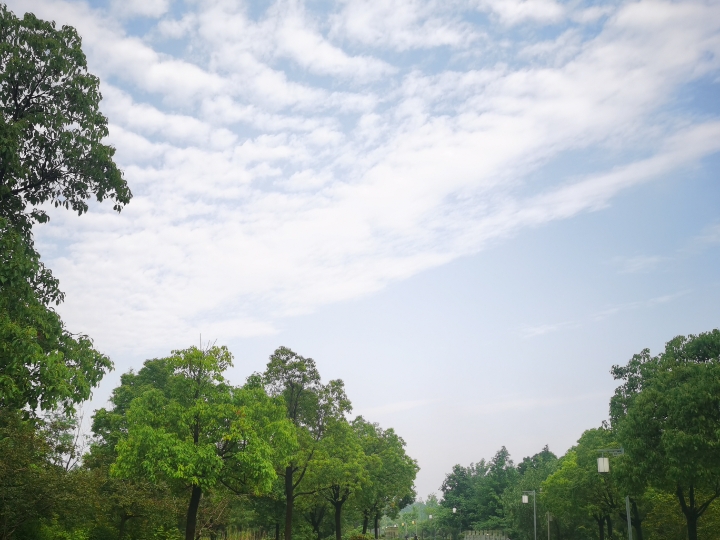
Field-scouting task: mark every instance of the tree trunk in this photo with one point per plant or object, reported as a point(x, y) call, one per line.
point(635, 520)
point(121, 530)
point(289, 501)
point(191, 522)
point(338, 521)
point(601, 526)
point(692, 527)
point(377, 525)
point(691, 514)
point(609, 527)
point(366, 518)
point(315, 517)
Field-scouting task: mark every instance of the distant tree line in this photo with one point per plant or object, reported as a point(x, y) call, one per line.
point(665, 416)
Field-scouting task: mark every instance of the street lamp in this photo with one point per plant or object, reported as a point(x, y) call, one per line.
point(460, 527)
point(525, 500)
point(603, 464)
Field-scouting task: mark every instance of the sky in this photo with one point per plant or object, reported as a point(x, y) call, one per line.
point(468, 210)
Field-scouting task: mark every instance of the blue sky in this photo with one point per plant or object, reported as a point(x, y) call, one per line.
point(468, 210)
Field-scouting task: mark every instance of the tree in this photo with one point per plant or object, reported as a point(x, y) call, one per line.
point(51, 151)
point(199, 432)
point(340, 468)
point(42, 364)
point(310, 406)
point(27, 480)
point(667, 416)
point(532, 472)
point(390, 476)
point(476, 491)
point(577, 494)
point(51, 129)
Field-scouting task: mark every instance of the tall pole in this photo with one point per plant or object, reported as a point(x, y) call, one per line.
point(548, 514)
point(525, 500)
point(604, 468)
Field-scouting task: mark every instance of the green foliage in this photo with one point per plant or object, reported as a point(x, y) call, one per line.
point(581, 499)
point(390, 472)
point(476, 492)
point(55, 531)
point(533, 471)
point(198, 431)
point(50, 152)
point(42, 365)
point(50, 128)
point(667, 416)
point(166, 533)
point(311, 407)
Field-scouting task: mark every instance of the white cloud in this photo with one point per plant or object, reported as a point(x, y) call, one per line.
point(401, 24)
point(282, 164)
point(638, 264)
point(640, 304)
point(516, 11)
point(297, 39)
point(145, 8)
point(542, 329)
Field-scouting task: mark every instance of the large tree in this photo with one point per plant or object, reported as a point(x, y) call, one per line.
point(476, 492)
point(199, 432)
point(532, 471)
point(667, 416)
point(51, 152)
point(310, 406)
point(42, 364)
point(341, 468)
point(390, 472)
point(581, 498)
point(51, 128)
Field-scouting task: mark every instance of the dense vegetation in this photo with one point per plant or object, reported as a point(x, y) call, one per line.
point(665, 416)
point(182, 451)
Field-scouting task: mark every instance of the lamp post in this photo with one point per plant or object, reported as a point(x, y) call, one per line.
point(459, 526)
point(525, 500)
point(603, 464)
point(549, 519)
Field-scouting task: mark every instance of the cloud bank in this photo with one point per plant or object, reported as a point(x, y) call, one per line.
point(286, 158)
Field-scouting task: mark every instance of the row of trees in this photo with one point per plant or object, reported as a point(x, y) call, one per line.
point(181, 449)
point(665, 416)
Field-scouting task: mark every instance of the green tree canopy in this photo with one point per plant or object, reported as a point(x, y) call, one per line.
point(41, 363)
point(390, 473)
point(51, 129)
point(532, 472)
point(199, 432)
point(51, 152)
point(582, 499)
point(476, 492)
point(667, 416)
point(310, 406)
